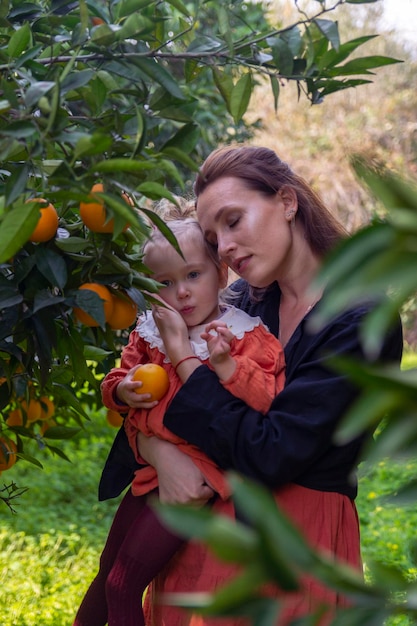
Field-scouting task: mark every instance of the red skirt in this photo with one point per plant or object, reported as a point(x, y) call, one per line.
point(328, 520)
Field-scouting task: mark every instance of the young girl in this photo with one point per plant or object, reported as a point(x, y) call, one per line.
point(248, 361)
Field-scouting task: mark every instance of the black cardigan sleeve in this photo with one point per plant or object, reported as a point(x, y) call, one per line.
point(293, 442)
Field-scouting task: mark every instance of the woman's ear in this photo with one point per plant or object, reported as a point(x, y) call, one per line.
point(223, 275)
point(288, 197)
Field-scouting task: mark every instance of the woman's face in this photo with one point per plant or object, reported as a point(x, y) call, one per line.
point(251, 232)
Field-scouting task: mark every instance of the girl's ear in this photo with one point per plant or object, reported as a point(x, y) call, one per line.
point(289, 198)
point(223, 275)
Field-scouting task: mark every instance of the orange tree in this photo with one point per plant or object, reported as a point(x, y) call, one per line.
point(104, 107)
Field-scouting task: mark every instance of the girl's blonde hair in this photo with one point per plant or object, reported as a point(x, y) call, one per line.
point(181, 219)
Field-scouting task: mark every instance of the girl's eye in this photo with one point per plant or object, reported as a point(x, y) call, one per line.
point(165, 283)
point(194, 275)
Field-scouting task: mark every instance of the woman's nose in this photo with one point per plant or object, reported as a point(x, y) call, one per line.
point(225, 246)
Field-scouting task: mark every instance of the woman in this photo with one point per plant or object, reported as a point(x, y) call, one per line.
point(271, 229)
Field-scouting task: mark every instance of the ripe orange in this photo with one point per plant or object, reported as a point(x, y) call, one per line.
point(8, 451)
point(47, 224)
point(114, 418)
point(124, 313)
point(32, 409)
point(47, 408)
point(15, 418)
point(93, 212)
point(154, 380)
point(105, 295)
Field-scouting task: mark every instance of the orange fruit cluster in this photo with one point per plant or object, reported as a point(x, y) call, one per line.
point(8, 450)
point(47, 224)
point(119, 311)
point(93, 212)
point(154, 380)
point(36, 409)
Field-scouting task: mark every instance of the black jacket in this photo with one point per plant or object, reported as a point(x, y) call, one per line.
point(293, 442)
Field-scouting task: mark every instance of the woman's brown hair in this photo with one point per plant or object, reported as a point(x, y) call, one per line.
point(260, 169)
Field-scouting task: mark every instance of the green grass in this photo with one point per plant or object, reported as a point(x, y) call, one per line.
point(51, 546)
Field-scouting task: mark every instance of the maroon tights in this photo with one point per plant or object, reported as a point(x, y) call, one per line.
point(137, 548)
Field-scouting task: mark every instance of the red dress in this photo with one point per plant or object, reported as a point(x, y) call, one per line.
point(257, 380)
point(195, 569)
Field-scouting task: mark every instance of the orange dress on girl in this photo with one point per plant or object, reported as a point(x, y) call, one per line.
point(258, 378)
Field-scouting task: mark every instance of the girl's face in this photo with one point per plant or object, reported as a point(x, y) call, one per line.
point(191, 285)
point(251, 231)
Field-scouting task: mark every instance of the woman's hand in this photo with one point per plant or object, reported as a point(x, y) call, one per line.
point(126, 392)
point(180, 481)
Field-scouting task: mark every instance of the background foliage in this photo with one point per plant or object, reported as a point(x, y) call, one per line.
point(134, 94)
point(131, 94)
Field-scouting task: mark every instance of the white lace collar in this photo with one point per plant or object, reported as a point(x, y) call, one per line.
point(238, 321)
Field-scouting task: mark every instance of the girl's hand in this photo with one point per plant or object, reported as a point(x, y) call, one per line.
point(180, 481)
point(219, 339)
point(126, 392)
point(173, 331)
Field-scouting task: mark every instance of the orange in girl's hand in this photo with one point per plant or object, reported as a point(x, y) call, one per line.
point(154, 380)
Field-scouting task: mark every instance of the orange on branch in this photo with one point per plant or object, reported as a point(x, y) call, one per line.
point(8, 451)
point(102, 291)
point(114, 418)
point(32, 409)
point(47, 224)
point(47, 408)
point(15, 418)
point(154, 380)
point(124, 313)
point(93, 212)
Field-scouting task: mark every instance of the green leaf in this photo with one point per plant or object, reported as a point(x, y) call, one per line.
point(60, 432)
point(363, 65)
point(16, 184)
point(155, 191)
point(229, 540)
point(52, 266)
point(136, 25)
point(177, 4)
point(72, 244)
point(178, 155)
point(36, 91)
point(19, 41)
point(45, 298)
point(16, 228)
point(127, 7)
point(158, 73)
point(330, 30)
point(90, 302)
point(224, 84)
point(240, 97)
point(20, 130)
point(282, 55)
point(30, 459)
point(184, 140)
point(75, 80)
point(94, 353)
point(275, 90)
point(89, 145)
point(133, 166)
point(203, 43)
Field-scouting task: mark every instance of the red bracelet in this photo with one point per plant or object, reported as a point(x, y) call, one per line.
point(186, 358)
